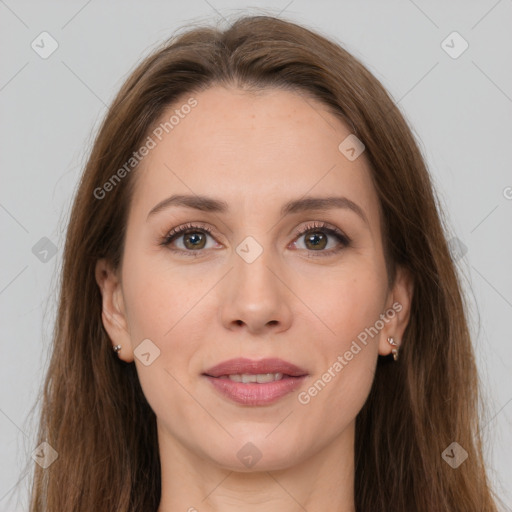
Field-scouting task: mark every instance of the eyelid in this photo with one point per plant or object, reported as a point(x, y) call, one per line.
point(183, 228)
point(311, 226)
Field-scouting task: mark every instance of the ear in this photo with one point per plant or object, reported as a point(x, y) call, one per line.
point(113, 312)
point(398, 310)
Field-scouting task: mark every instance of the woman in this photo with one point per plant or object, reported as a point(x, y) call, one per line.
point(258, 309)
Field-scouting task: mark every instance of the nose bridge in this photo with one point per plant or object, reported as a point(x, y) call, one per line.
point(252, 262)
point(255, 296)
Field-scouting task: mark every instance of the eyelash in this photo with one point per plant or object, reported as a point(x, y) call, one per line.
point(315, 226)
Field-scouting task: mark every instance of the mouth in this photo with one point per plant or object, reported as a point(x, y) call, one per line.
point(260, 378)
point(250, 368)
point(255, 383)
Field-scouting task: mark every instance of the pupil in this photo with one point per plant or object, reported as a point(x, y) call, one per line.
point(192, 238)
point(317, 239)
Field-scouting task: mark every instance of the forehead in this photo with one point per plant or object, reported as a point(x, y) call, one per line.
point(251, 148)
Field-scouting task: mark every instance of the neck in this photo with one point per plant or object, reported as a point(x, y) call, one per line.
point(322, 481)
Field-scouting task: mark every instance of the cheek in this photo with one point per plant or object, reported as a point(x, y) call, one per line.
point(163, 304)
point(348, 305)
point(158, 296)
point(346, 301)
point(160, 306)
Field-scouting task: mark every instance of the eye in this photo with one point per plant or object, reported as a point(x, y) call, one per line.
point(317, 235)
point(194, 238)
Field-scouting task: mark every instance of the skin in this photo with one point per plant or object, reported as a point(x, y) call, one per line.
point(264, 149)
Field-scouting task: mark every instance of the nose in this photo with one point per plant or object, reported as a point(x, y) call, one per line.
point(255, 297)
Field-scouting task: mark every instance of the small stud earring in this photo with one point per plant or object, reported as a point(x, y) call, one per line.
point(394, 351)
point(116, 348)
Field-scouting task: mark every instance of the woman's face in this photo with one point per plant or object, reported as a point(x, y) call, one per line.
point(253, 287)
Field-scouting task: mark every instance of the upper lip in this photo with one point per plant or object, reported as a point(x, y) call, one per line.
point(242, 365)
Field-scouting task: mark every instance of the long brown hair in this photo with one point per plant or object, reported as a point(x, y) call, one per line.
point(94, 413)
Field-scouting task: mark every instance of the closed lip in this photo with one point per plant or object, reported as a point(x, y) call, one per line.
point(243, 365)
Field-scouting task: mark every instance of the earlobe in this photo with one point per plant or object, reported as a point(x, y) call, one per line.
point(399, 305)
point(113, 314)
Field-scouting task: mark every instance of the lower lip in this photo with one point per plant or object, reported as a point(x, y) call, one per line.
point(253, 393)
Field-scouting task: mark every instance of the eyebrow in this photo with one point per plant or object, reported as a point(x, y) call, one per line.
point(209, 204)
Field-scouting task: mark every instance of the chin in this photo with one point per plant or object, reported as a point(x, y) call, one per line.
point(255, 454)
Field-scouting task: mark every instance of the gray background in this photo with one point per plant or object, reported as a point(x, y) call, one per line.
point(460, 110)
